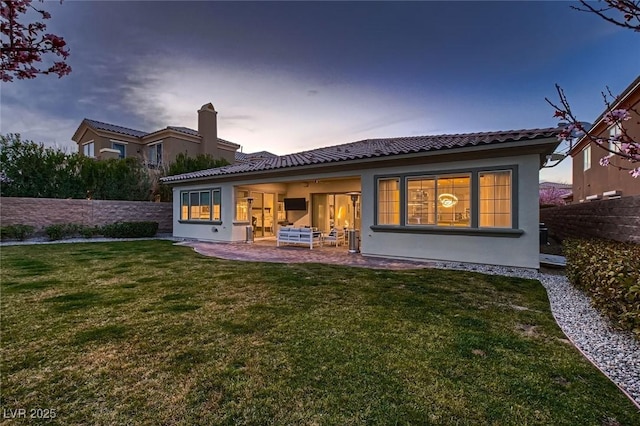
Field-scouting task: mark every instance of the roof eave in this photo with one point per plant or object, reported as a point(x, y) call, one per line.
point(540, 146)
point(626, 94)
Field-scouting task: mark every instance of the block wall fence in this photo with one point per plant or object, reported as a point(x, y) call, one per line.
point(41, 212)
point(617, 220)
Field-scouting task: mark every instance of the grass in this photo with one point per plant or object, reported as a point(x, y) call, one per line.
point(148, 333)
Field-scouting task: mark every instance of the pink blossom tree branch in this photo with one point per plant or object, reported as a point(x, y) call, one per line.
point(617, 145)
point(24, 45)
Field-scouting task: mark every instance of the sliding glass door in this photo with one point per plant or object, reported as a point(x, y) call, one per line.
point(263, 214)
point(333, 211)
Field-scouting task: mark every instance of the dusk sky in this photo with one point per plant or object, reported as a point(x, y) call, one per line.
point(287, 77)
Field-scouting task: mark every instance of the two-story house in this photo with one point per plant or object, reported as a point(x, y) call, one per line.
point(103, 141)
point(591, 181)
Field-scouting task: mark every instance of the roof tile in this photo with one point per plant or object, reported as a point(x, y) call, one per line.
point(372, 148)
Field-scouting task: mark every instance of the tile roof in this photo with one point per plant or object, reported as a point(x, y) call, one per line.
point(371, 148)
point(244, 157)
point(184, 130)
point(116, 129)
point(555, 185)
point(140, 134)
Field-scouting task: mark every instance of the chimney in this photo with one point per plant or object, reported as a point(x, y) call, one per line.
point(208, 129)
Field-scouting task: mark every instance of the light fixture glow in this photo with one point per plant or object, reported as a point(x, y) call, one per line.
point(448, 200)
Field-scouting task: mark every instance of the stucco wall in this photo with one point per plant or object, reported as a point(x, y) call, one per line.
point(41, 212)
point(520, 251)
point(617, 220)
point(512, 250)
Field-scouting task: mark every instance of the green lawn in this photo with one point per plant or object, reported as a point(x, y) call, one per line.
point(145, 332)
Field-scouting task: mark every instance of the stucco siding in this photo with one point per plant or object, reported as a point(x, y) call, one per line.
point(520, 251)
point(518, 248)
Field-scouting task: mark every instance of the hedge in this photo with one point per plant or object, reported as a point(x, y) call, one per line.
point(609, 273)
point(16, 232)
point(130, 229)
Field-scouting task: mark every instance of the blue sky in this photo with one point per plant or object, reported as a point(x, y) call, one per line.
point(290, 76)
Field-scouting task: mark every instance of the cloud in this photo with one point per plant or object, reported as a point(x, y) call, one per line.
point(38, 126)
point(266, 108)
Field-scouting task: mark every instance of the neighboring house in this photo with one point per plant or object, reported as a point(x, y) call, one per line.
point(103, 141)
point(242, 157)
point(466, 197)
point(591, 181)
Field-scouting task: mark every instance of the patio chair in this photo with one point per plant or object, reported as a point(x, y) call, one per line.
point(335, 236)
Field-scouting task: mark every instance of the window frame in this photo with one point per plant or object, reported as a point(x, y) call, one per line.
point(123, 153)
point(153, 148)
point(436, 177)
point(212, 198)
point(586, 158)
point(474, 228)
point(236, 199)
point(511, 196)
point(614, 132)
point(92, 145)
point(397, 178)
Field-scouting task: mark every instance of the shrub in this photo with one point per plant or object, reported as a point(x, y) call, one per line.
point(16, 232)
point(62, 230)
point(130, 229)
point(608, 272)
point(89, 231)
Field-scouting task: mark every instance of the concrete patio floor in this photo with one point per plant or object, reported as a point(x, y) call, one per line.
point(266, 251)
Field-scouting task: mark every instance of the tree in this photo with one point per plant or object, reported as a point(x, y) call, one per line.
point(183, 164)
point(24, 45)
point(626, 14)
point(553, 196)
point(28, 169)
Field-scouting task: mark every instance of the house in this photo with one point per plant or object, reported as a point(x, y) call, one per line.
point(591, 181)
point(103, 140)
point(463, 197)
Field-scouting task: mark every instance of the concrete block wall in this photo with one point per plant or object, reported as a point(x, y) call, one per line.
point(617, 220)
point(41, 212)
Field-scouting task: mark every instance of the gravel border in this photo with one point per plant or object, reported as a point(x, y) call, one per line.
point(616, 353)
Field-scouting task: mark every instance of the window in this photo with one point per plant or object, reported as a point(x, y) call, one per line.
point(586, 157)
point(495, 199)
point(466, 199)
point(200, 205)
point(88, 149)
point(389, 201)
point(155, 154)
point(121, 147)
point(242, 205)
point(421, 201)
point(614, 135)
point(439, 200)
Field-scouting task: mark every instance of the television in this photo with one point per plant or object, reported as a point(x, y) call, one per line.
point(295, 204)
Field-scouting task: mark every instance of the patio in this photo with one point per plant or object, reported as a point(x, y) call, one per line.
point(265, 250)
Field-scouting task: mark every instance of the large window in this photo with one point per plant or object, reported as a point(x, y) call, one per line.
point(473, 199)
point(200, 205)
point(439, 200)
point(389, 201)
point(88, 149)
point(495, 199)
